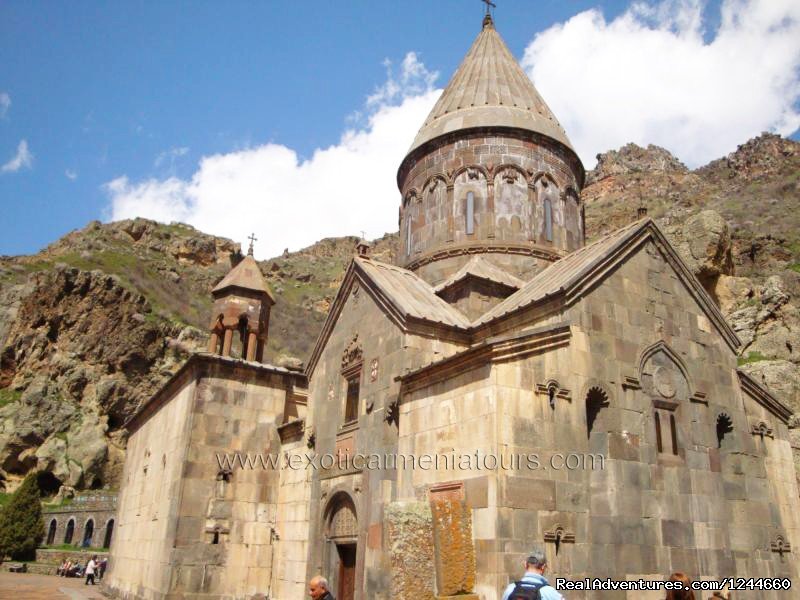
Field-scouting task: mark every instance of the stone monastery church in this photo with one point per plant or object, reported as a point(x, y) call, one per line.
point(499, 333)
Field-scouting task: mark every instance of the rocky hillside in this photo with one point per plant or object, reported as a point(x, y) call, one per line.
point(94, 323)
point(736, 222)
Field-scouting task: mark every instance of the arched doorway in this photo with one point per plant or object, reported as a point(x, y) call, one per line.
point(342, 531)
point(109, 533)
point(88, 532)
point(51, 532)
point(70, 531)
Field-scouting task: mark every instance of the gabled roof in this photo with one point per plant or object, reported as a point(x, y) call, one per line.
point(578, 271)
point(404, 296)
point(410, 294)
point(763, 396)
point(480, 268)
point(490, 89)
point(246, 275)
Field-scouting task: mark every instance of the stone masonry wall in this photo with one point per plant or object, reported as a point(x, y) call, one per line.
point(139, 566)
point(224, 541)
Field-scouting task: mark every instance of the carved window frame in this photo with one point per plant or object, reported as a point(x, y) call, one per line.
point(351, 372)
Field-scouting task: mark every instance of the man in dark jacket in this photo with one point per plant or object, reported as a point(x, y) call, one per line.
point(318, 589)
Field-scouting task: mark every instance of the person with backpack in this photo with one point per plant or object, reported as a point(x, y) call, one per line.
point(533, 585)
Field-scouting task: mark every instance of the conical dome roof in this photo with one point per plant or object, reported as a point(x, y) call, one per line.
point(246, 275)
point(490, 89)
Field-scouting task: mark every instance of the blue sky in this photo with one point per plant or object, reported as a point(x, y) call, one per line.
point(117, 104)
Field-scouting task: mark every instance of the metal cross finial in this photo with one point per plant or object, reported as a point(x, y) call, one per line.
point(252, 239)
point(489, 3)
point(363, 235)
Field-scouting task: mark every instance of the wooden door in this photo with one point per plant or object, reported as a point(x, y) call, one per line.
point(347, 571)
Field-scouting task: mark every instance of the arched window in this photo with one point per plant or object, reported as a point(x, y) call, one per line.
point(51, 532)
point(88, 532)
point(109, 533)
point(69, 532)
point(724, 427)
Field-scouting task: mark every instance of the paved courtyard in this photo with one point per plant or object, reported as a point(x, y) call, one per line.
point(27, 586)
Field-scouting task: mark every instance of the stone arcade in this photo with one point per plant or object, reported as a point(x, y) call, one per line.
point(499, 331)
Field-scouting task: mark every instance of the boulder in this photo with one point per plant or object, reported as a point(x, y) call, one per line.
point(704, 242)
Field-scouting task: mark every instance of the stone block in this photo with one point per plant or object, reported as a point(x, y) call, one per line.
point(526, 493)
point(454, 554)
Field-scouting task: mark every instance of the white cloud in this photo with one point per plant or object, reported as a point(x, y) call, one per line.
point(171, 155)
point(648, 76)
point(23, 159)
point(5, 104)
point(70, 174)
point(288, 202)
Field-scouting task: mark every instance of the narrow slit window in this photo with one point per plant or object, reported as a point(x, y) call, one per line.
point(659, 443)
point(470, 213)
point(548, 220)
point(408, 235)
point(674, 433)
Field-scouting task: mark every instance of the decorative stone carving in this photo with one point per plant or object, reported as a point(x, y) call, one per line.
point(664, 382)
point(553, 391)
point(473, 174)
point(373, 369)
point(510, 175)
point(454, 553)
point(311, 440)
point(353, 354)
point(343, 523)
point(392, 416)
point(780, 545)
point(762, 429)
point(558, 535)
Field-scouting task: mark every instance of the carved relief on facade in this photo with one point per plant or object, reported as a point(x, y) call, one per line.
point(435, 208)
point(353, 354)
point(547, 210)
point(512, 205)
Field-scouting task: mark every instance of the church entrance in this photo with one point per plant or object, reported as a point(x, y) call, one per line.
point(347, 571)
point(342, 550)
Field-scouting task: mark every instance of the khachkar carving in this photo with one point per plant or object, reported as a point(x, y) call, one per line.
point(454, 554)
point(353, 354)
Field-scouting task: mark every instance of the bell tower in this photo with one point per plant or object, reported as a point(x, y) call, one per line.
point(491, 172)
point(242, 302)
